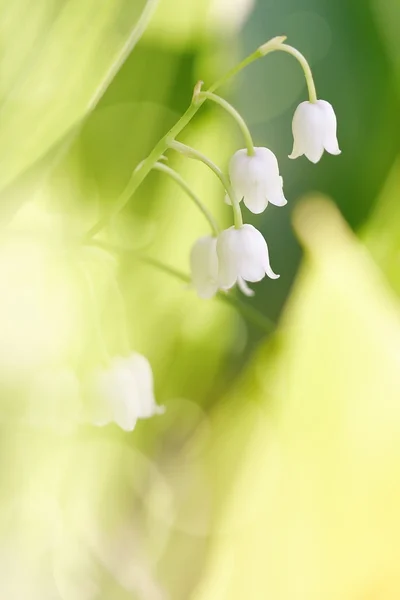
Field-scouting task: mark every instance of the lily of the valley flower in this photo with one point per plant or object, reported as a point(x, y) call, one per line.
point(123, 392)
point(204, 267)
point(256, 179)
point(242, 254)
point(314, 130)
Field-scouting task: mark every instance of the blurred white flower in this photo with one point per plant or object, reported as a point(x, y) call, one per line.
point(123, 392)
point(314, 130)
point(204, 269)
point(242, 254)
point(256, 179)
point(54, 400)
point(204, 266)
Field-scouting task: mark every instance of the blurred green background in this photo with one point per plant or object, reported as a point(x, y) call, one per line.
point(275, 471)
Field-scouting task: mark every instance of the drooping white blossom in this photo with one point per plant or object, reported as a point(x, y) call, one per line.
point(123, 392)
point(314, 130)
point(242, 254)
point(256, 179)
point(204, 266)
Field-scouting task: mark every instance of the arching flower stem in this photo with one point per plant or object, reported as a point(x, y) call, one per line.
point(182, 183)
point(234, 113)
point(196, 155)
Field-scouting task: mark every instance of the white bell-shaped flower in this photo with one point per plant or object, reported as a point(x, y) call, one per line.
point(314, 130)
point(123, 392)
point(256, 179)
point(204, 266)
point(242, 254)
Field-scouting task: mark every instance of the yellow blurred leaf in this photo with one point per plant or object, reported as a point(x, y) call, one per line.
point(313, 512)
point(60, 58)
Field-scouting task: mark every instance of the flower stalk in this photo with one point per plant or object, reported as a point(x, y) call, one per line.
point(196, 155)
point(186, 188)
point(234, 113)
point(280, 46)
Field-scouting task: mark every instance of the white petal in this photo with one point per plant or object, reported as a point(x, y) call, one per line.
point(124, 413)
point(254, 258)
point(237, 172)
point(330, 124)
point(204, 266)
point(297, 149)
point(242, 253)
point(261, 251)
point(275, 194)
point(123, 392)
point(308, 131)
point(314, 154)
point(145, 403)
point(244, 288)
point(252, 175)
point(256, 200)
point(250, 259)
point(267, 266)
point(112, 390)
point(227, 250)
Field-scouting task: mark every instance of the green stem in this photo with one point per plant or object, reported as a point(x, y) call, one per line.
point(251, 314)
point(273, 45)
point(138, 31)
point(234, 113)
point(182, 183)
point(235, 70)
point(144, 169)
point(196, 155)
point(269, 47)
point(146, 166)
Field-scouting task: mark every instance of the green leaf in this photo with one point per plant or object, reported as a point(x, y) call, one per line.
point(60, 58)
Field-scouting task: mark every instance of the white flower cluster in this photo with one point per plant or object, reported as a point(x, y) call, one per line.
point(121, 390)
point(240, 254)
